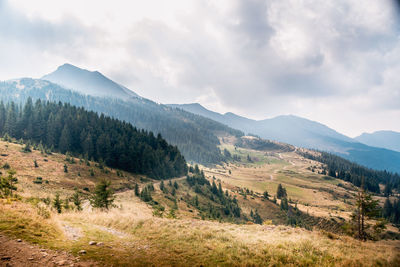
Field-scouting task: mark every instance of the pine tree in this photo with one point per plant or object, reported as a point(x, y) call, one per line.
point(76, 198)
point(65, 140)
point(145, 195)
point(284, 204)
point(66, 204)
point(281, 192)
point(57, 203)
point(7, 184)
point(388, 190)
point(162, 185)
point(103, 195)
point(366, 208)
point(173, 192)
point(221, 193)
point(137, 190)
point(257, 218)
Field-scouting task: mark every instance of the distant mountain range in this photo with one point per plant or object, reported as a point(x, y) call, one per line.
point(193, 128)
point(194, 135)
point(305, 133)
point(88, 82)
point(385, 139)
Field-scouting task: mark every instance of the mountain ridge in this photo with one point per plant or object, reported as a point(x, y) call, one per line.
point(195, 136)
point(302, 132)
point(385, 139)
point(88, 82)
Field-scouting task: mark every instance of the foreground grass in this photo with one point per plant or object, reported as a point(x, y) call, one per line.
point(156, 241)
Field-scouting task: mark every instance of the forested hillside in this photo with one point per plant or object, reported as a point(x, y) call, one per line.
point(305, 133)
point(66, 128)
point(354, 173)
point(195, 136)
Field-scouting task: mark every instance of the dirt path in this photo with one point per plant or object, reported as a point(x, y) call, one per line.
point(112, 231)
point(19, 253)
point(71, 233)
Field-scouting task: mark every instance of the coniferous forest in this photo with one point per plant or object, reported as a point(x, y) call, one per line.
point(194, 135)
point(352, 172)
point(65, 128)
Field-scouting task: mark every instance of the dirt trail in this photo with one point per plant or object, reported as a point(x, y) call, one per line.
point(14, 253)
point(112, 231)
point(71, 233)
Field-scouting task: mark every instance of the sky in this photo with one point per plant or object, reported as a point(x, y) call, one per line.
point(334, 61)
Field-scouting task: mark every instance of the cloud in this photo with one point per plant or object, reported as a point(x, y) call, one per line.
point(320, 59)
point(29, 41)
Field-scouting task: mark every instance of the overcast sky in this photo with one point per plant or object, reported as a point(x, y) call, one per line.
point(333, 61)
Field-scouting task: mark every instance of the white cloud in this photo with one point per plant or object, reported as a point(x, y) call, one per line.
point(333, 61)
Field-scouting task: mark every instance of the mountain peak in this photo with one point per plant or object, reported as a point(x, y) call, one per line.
point(385, 139)
point(88, 82)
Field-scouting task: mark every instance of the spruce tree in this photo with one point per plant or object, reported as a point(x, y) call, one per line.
point(281, 192)
point(137, 190)
point(103, 195)
point(76, 198)
point(162, 185)
point(284, 204)
point(57, 203)
point(366, 208)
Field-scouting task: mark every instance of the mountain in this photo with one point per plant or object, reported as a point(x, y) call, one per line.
point(306, 133)
point(385, 139)
point(195, 136)
point(229, 118)
point(88, 82)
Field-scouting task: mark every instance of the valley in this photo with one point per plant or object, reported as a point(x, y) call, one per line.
point(171, 229)
point(199, 133)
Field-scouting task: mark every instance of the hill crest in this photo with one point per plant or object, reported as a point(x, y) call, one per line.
point(88, 82)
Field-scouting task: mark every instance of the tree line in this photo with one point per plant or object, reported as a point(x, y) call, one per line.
point(66, 128)
point(354, 173)
point(194, 135)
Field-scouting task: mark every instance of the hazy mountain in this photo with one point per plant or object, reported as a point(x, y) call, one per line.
point(385, 139)
point(229, 118)
point(88, 82)
point(306, 133)
point(195, 136)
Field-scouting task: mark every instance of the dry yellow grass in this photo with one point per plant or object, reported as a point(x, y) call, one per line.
point(165, 242)
point(133, 237)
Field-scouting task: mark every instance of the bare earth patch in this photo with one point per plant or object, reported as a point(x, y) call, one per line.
point(19, 253)
point(71, 233)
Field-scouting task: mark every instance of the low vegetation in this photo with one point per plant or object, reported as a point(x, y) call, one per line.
point(209, 217)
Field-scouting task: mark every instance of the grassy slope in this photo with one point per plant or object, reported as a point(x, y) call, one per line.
point(132, 236)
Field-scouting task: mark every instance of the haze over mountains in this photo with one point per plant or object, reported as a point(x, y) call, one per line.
point(385, 139)
point(305, 133)
point(195, 135)
point(88, 82)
